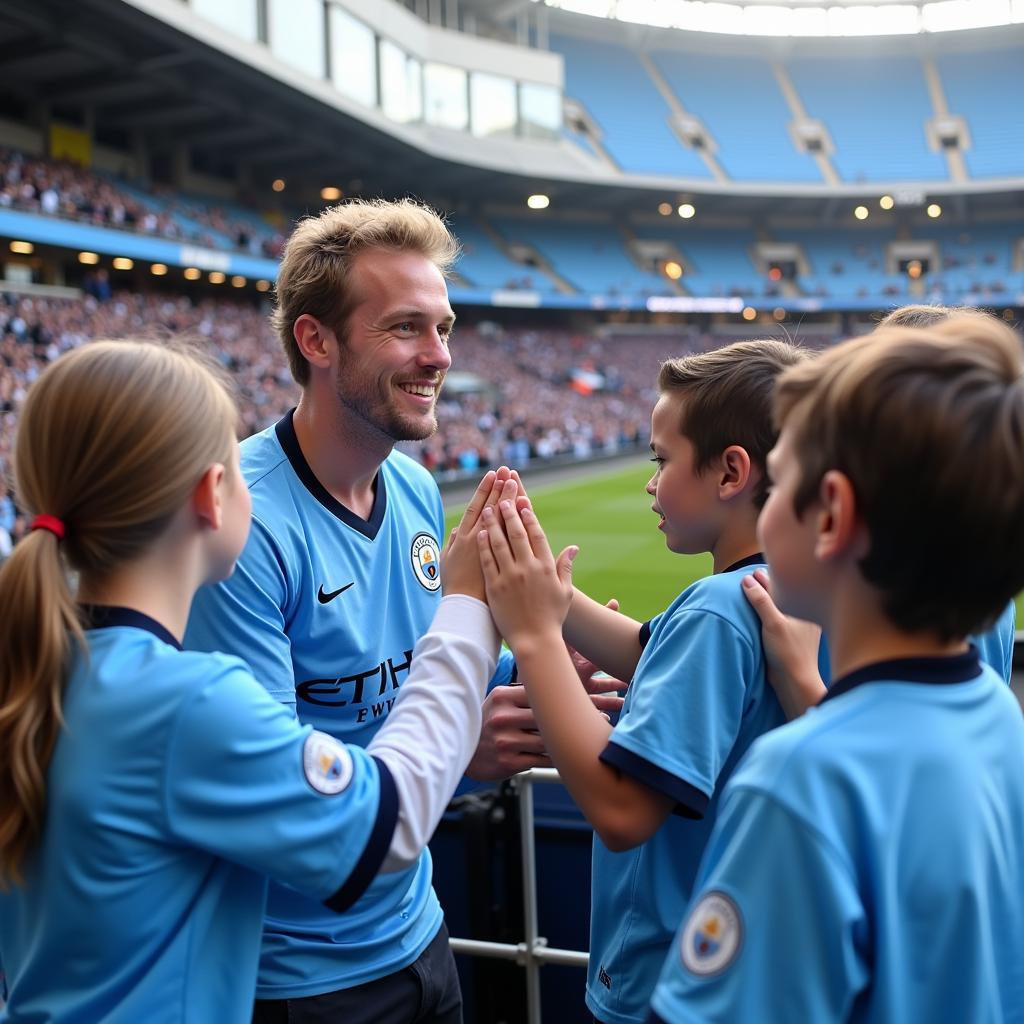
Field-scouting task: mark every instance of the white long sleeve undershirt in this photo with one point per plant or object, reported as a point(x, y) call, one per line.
point(434, 727)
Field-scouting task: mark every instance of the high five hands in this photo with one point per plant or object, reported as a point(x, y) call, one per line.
point(509, 741)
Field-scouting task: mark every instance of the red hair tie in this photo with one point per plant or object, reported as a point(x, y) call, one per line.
point(51, 523)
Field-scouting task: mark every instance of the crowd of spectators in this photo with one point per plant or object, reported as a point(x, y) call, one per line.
point(62, 189)
point(35, 330)
point(513, 396)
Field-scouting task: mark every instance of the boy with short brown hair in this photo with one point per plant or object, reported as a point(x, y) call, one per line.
point(868, 858)
point(698, 696)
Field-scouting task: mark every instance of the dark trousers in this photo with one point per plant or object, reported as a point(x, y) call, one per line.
point(425, 992)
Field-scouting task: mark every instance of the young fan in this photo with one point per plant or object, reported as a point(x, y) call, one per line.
point(789, 645)
point(698, 697)
point(146, 792)
point(868, 859)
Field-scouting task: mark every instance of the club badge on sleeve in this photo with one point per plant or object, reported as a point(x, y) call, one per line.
point(327, 764)
point(426, 560)
point(712, 936)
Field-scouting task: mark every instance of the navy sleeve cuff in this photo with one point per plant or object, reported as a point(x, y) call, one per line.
point(376, 848)
point(645, 633)
point(690, 802)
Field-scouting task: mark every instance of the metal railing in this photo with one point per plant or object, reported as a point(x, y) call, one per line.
point(533, 952)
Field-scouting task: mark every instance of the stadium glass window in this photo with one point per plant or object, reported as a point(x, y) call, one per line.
point(492, 105)
point(353, 56)
point(296, 34)
point(446, 101)
point(540, 111)
point(414, 88)
point(240, 17)
point(401, 84)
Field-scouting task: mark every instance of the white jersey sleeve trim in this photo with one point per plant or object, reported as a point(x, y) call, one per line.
point(433, 729)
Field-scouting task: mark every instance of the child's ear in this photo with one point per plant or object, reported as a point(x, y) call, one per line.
point(735, 469)
point(839, 529)
point(206, 498)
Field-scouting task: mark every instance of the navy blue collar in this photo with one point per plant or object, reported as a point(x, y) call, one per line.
point(104, 616)
point(744, 563)
point(933, 671)
point(285, 430)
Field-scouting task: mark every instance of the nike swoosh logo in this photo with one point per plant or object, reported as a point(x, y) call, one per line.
point(323, 598)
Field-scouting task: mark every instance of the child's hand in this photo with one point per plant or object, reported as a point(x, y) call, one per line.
point(790, 648)
point(529, 593)
point(460, 560)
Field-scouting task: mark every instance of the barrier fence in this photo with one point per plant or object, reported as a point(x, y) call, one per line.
point(533, 952)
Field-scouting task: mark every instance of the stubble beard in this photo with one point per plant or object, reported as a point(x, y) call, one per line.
point(378, 412)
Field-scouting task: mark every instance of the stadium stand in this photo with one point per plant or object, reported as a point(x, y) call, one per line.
point(717, 260)
point(60, 189)
point(977, 260)
point(848, 94)
point(484, 265)
point(847, 263)
point(590, 256)
point(741, 105)
point(614, 86)
point(744, 111)
point(984, 89)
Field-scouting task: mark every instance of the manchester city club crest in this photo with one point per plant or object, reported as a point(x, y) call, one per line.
point(426, 560)
point(326, 762)
point(713, 935)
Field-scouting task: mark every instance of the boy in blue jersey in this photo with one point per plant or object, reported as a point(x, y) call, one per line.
point(340, 579)
point(791, 647)
point(698, 695)
point(868, 861)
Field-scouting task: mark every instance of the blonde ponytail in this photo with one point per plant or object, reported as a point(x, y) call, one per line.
point(112, 440)
point(38, 624)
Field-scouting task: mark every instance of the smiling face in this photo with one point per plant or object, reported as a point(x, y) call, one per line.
point(685, 499)
point(394, 354)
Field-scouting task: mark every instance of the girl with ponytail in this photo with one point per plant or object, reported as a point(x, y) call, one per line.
point(146, 792)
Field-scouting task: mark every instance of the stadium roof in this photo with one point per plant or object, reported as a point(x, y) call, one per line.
point(803, 17)
point(143, 83)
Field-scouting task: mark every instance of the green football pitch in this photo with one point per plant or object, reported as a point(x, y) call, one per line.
point(622, 554)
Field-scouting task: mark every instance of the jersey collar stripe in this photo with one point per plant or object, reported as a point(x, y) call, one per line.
point(376, 848)
point(285, 430)
point(955, 668)
point(102, 616)
point(746, 563)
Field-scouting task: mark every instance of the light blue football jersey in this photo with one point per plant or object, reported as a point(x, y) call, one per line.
point(697, 701)
point(326, 608)
point(996, 646)
point(176, 786)
point(868, 862)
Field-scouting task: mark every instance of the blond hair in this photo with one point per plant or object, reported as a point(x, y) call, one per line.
point(727, 399)
point(112, 440)
point(928, 425)
point(314, 274)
